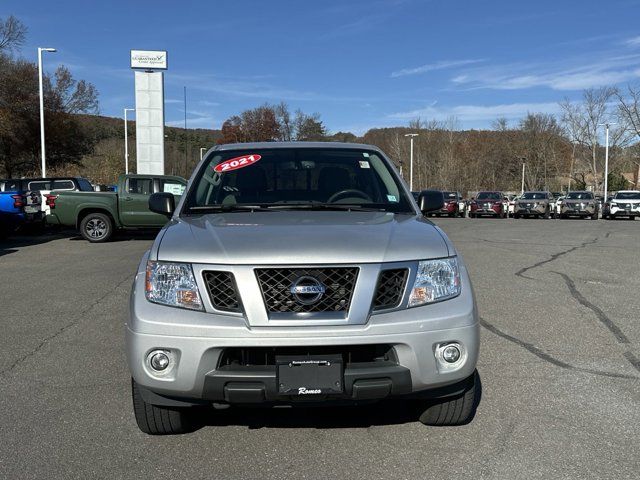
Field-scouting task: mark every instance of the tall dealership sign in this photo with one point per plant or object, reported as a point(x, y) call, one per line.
point(149, 85)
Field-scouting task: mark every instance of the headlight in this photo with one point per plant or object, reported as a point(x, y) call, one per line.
point(172, 284)
point(436, 280)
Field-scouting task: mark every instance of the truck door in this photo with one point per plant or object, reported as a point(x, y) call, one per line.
point(134, 204)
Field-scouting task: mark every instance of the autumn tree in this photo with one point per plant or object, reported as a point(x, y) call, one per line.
point(272, 123)
point(64, 97)
point(13, 34)
point(583, 124)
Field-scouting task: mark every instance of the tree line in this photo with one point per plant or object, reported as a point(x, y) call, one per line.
point(559, 152)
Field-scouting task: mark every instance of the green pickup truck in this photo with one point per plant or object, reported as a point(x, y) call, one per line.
point(99, 214)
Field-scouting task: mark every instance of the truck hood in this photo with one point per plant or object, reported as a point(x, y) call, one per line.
point(299, 237)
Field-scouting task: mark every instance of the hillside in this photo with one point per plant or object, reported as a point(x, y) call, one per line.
point(107, 160)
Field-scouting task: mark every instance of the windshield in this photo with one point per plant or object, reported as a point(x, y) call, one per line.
point(489, 196)
point(580, 196)
point(289, 178)
point(450, 195)
point(628, 196)
point(534, 196)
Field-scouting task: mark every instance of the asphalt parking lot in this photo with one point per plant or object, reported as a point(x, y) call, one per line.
point(560, 367)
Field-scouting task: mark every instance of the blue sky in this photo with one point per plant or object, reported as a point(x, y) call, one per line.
point(360, 64)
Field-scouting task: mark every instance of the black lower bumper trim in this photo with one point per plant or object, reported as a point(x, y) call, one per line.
point(362, 381)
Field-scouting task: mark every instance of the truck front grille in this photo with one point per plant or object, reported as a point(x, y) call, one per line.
point(223, 291)
point(266, 356)
point(276, 285)
point(390, 288)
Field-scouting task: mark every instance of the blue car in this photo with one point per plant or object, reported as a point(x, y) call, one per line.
point(18, 207)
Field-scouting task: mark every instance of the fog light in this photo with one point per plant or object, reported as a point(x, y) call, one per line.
point(158, 360)
point(451, 354)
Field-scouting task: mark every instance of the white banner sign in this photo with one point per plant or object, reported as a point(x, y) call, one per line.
point(149, 59)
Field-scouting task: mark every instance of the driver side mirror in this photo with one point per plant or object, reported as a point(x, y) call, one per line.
point(430, 200)
point(162, 203)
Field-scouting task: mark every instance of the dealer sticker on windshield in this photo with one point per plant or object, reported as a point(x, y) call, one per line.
point(364, 164)
point(236, 163)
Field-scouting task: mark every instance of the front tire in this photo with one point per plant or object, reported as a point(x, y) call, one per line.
point(451, 411)
point(96, 227)
point(156, 420)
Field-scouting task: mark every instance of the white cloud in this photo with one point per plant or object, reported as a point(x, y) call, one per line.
point(477, 113)
point(633, 41)
point(572, 74)
point(198, 122)
point(248, 88)
point(430, 67)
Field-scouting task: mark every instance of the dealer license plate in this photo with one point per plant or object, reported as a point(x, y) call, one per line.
point(309, 375)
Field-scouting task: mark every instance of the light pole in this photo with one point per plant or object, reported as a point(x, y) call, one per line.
point(42, 152)
point(202, 150)
point(523, 167)
point(126, 141)
point(606, 158)
point(411, 135)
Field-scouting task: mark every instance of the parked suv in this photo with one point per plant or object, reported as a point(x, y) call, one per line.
point(488, 203)
point(580, 204)
point(298, 272)
point(451, 208)
point(625, 203)
point(535, 204)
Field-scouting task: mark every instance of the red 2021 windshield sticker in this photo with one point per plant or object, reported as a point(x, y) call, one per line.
point(236, 163)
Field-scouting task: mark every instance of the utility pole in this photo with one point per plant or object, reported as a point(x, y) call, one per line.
point(186, 138)
point(411, 135)
point(41, 89)
point(606, 159)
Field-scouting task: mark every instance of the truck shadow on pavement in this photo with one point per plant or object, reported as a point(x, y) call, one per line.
point(384, 412)
point(16, 241)
point(123, 236)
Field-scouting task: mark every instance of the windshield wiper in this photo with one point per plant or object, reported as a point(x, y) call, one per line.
point(286, 206)
point(325, 206)
point(227, 208)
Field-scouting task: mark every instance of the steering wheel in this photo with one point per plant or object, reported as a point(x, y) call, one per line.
point(350, 191)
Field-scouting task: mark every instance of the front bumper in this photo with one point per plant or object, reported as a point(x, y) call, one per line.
point(448, 210)
point(577, 209)
point(198, 340)
point(530, 209)
point(633, 210)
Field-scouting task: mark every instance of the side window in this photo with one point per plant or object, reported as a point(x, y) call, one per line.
point(172, 186)
point(62, 185)
point(143, 186)
point(85, 185)
point(45, 185)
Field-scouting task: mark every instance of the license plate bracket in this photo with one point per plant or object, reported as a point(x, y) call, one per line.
point(309, 375)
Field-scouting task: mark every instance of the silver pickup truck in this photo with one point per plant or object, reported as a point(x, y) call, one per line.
point(297, 273)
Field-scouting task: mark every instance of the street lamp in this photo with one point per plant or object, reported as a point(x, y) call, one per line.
point(523, 167)
point(44, 165)
point(606, 158)
point(411, 135)
point(202, 150)
point(126, 141)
